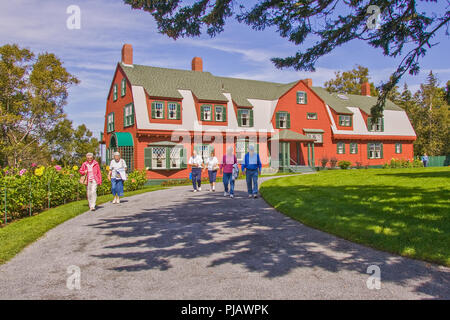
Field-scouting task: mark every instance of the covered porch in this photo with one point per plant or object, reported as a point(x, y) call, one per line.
point(291, 157)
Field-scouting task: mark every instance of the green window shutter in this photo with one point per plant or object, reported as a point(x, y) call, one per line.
point(202, 115)
point(183, 154)
point(168, 157)
point(382, 124)
point(164, 110)
point(224, 118)
point(148, 157)
point(239, 115)
point(132, 114)
point(368, 150)
point(251, 118)
point(401, 148)
point(369, 124)
point(153, 110)
point(114, 122)
point(381, 153)
point(288, 124)
point(351, 120)
point(340, 120)
point(125, 118)
point(277, 120)
point(178, 111)
point(343, 149)
point(337, 147)
point(115, 92)
point(306, 98)
point(123, 87)
point(356, 149)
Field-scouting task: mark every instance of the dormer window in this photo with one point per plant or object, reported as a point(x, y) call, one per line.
point(123, 87)
point(220, 113)
point(158, 110)
point(345, 120)
point(377, 126)
point(172, 109)
point(245, 117)
point(301, 97)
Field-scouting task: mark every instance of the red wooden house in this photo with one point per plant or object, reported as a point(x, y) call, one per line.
point(157, 116)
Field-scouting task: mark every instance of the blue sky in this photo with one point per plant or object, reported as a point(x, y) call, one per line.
point(92, 52)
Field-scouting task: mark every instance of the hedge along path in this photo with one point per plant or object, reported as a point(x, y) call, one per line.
point(15, 236)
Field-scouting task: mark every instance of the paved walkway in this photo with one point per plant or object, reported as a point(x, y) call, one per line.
point(175, 244)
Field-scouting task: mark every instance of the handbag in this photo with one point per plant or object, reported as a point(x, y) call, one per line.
point(83, 180)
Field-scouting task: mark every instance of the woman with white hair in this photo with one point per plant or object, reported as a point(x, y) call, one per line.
point(117, 175)
point(228, 162)
point(91, 169)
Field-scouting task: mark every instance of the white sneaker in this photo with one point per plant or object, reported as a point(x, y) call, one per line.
point(114, 200)
point(255, 196)
point(199, 188)
point(226, 194)
point(250, 196)
point(195, 190)
point(118, 200)
point(231, 196)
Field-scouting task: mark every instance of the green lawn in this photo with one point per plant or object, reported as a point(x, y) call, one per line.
point(17, 235)
point(403, 211)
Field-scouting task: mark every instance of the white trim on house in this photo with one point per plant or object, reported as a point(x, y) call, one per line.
point(396, 123)
point(261, 116)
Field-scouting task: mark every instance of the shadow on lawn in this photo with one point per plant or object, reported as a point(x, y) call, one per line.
point(248, 233)
point(424, 174)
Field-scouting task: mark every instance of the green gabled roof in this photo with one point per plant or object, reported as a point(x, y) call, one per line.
point(242, 89)
point(290, 135)
point(340, 105)
point(164, 82)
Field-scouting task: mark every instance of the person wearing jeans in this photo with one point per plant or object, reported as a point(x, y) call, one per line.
point(117, 175)
point(251, 168)
point(227, 167)
point(196, 162)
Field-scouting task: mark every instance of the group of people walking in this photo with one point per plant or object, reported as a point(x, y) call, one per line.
point(92, 177)
point(251, 167)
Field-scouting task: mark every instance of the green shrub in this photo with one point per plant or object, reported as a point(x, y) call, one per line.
point(344, 164)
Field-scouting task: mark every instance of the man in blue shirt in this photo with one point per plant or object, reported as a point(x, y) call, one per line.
point(251, 168)
point(425, 159)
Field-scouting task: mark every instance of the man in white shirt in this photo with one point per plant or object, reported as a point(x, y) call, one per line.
point(196, 162)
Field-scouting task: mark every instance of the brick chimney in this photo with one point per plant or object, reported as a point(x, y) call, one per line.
point(197, 64)
point(308, 82)
point(127, 54)
point(365, 89)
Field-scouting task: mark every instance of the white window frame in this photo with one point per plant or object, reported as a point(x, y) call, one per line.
point(283, 118)
point(353, 148)
point(175, 158)
point(207, 112)
point(318, 137)
point(345, 120)
point(156, 105)
point(174, 106)
point(398, 148)
point(219, 113)
point(245, 115)
point(375, 150)
point(128, 114)
point(341, 148)
point(311, 116)
point(377, 127)
point(301, 97)
point(156, 160)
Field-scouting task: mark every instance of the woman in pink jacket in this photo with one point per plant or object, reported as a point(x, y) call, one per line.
point(91, 169)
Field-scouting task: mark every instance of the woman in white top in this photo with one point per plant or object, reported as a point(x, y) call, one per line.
point(196, 164)
point(212, 164)
point(117, 175)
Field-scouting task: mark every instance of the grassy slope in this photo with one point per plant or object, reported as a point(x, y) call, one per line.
point(17, 235)
point(404, 211)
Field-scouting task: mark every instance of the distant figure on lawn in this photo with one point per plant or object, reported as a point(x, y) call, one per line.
point(212, 164)
point(196, 162)
point(91, 169)
point(228, 162)
point(117, 175)
point(251, 168)
point(425, 160)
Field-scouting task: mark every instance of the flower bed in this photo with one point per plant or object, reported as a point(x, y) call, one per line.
point(32, 190)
